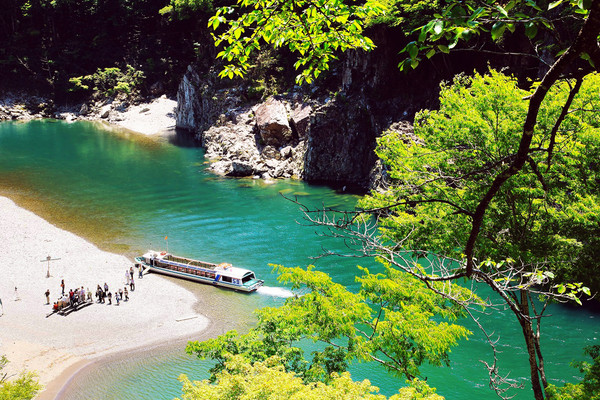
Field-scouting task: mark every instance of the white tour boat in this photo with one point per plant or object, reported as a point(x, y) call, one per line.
point(223, 274)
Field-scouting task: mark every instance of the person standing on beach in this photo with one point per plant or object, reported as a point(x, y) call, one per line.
point(47, 296)
point(141, 271)
point(105, 287)
point(126, 294)
point(132, 285)
point(62, 286)
point(127, 279)
point(131, 272)
point(16, 295)
point(109, 298)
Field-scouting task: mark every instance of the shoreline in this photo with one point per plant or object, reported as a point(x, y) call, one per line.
point(59, 348)
point(51, 346)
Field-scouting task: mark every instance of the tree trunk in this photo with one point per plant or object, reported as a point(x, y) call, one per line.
point(530, 342)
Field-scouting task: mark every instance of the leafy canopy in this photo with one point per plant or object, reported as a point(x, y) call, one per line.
point(394, 320)
point(314, 29)
point(465, 21)
point(24, 387)
point(547, 214)
point(589, 388)
point(269, 380)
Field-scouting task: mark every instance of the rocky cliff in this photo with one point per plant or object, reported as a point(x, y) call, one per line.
point(329, 138)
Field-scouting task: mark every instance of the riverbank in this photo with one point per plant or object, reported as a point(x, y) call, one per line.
point(151, 117)
point(157, 311)
point(56, 347)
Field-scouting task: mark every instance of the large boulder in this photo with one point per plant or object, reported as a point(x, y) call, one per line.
point(300, 119)
point(272, 122)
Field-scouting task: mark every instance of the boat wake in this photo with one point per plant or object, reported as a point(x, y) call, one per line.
point(275, 291)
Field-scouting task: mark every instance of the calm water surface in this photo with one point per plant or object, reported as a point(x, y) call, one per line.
point(127, 192)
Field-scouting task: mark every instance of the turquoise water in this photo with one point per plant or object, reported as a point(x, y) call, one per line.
point(127, 192)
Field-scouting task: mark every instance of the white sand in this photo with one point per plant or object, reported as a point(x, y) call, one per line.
point(151, 118)
point(158, 310)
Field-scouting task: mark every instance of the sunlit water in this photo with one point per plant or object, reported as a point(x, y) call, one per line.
point(127, 192)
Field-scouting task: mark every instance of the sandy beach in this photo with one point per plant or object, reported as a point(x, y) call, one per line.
point(56, 346)
point(155, 117)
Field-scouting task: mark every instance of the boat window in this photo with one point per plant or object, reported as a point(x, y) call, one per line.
point(226, 279)
point(248, 277)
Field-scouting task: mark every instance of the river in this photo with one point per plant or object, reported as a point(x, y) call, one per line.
point(128, 193)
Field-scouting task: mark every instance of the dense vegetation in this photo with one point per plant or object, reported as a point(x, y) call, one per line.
point(45, 43)
point(24, 387)
point(498, 187)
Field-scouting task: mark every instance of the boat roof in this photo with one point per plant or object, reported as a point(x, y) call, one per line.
point(222, 269)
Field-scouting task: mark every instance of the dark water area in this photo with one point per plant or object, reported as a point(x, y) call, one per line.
point(127, 192)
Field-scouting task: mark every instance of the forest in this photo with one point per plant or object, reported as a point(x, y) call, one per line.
point(499, 186)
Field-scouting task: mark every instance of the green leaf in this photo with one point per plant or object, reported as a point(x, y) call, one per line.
point(531, 30)
point(502, 11)
point(443, 48)
point(438, 27)
point(561, 289)
point(554, 4)
point(586, 56)
point(412, 49)
point(498, 30)
point(586, 290)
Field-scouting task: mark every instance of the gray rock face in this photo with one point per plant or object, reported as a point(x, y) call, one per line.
point(24, 107)
point(232, 148)
point(341, 143)
point(272, 123)
point(201, 102)
point(327, 140)
point(300, 119)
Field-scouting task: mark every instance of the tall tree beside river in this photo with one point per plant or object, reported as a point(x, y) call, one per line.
point(501, 192)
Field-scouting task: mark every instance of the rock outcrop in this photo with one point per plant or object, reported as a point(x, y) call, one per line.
point(201, 101)
point(330, 138)
point(340, 143)
point(24, 107)
point(272, 123)
point(235, 149)
point(331, 141)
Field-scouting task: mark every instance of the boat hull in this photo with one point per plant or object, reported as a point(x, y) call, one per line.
point(248, 287)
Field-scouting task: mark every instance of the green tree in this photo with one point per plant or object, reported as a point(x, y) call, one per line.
point(243, 380)
point(541, 221)
point(589, 388)
point(25, 387)
point(393, 320)
point(108, 82)
point(314, 30)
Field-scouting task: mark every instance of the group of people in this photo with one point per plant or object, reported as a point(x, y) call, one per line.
point(103, 293)
point(74, 297)
point(70, 298)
